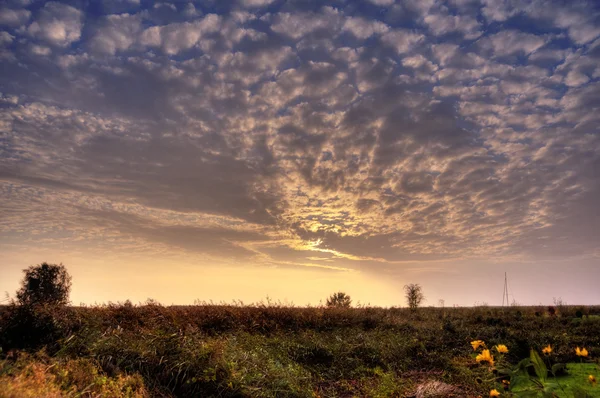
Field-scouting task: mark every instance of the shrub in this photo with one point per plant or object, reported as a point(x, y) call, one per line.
point(45, 284)
point(39, 317)
point(28, 327)
point(414, 296)
point(339, 300)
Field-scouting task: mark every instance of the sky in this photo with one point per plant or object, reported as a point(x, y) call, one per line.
point(286, 149)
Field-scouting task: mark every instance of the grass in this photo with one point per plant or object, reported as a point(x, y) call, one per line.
point(576, 379)
point(278, 351)
point(41, 376)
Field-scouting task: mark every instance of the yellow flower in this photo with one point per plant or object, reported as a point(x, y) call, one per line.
point(494, 393)
point(547, 350)
point(592, 379)
point(581, 352)
point(501, 348)
point(476, 344)
point(485, 356)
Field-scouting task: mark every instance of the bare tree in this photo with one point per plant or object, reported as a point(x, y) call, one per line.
point(414, 295)
point(339, 300)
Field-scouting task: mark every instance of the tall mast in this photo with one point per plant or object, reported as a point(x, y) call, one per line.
point(505, 292)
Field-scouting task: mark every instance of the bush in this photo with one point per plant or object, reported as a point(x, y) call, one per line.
point(414, 296)
point(47, 284)
point(39, 317)
point(31, 328)
point(339, 300)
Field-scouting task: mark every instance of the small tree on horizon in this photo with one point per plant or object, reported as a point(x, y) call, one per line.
point(414, 295)
point(45, 284)
point(339, 300)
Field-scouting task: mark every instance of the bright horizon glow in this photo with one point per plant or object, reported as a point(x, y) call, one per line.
point(186, 284)
point(238, 150)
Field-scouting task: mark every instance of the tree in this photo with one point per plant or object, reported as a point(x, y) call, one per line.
point(414, 295)
point(45, 284)
point(339, 300)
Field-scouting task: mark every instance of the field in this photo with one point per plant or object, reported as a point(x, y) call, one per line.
point(277, 351)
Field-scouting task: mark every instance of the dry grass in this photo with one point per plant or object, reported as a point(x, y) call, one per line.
point(41, 376)
point(273, 350)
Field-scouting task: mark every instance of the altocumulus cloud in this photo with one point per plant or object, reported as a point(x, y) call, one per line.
point(355, 134)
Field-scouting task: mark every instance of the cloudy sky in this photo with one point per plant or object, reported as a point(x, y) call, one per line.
point(284, 148)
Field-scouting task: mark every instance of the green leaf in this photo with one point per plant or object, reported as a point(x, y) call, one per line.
point(518, 380)
point(527, 394)
point(505, 371)
point(537, 382)
point(522, 366)
point(579, 392)
point(550, 387)
point(538, 365)
point(556, 367)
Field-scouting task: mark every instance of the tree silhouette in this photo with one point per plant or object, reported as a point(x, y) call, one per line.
point(45, 284)
point(339, 300)
point(414, 296)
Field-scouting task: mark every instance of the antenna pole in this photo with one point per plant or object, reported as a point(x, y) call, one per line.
point(505, 292)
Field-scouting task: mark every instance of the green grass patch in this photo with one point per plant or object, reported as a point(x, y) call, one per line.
point(575, 383)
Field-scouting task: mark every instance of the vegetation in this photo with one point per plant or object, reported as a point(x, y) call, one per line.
point(271, 350)
point(534, 376)
point(414, 296)
point(339, 300)
point(45, 284)
point(38, 316)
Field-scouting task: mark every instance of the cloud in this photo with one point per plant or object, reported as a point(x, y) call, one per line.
point(363, 29)
point(440, 24)
point(117, 33)
point(57, 24)
point(511, 42)
point(402, 40)
point(382, 2)
point(256, 3)
point(575, 78)
point(190, 10)
point(119, 6)
point(584, 34)
point(578, 19)
point(14, 18)
point(251, 68)
point(418, 61)
point(212, 241)
point(269, 131)
point(6, 38)
point(298, 25)
point(177, 37)
point(501, 10)
point(40, 50)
